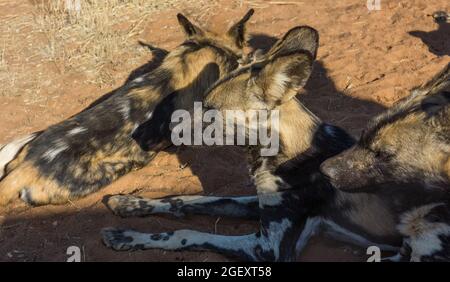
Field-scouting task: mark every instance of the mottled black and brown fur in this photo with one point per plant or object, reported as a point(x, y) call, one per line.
point(84, 153)
point(405, 152)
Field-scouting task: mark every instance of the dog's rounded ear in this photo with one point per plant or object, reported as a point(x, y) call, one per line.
point(298, 38)
point(237, 31)
point(189, 28)
point(283, 76)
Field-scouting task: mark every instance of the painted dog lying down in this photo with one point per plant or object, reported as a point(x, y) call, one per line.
point(86, 152)
point(404, 153)
point(294, 198)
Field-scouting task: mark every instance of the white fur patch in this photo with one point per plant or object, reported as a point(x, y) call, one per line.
point(76, 131)
point(148, 115)
point(138, 80)
point(423, 234)
point(329, 130)
point(10, 151)
point(311, 226)
point(269, 199)
point(60, 146)
point(136, 125)
point(428, 243)
point(279, 84)
point(276, 232)
point(266, 181)
point(124, 109)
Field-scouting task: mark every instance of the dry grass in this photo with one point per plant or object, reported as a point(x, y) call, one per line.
point(92, 39)
point(43, 43)
point(2, 57)
point(261, 4)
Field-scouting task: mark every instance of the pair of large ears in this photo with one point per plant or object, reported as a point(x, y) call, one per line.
point(288, 65)
point(236, 32)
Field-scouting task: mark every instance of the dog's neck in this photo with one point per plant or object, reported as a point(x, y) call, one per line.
point(305, 142)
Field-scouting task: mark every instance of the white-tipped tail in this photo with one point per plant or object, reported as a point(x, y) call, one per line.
point(9, 151)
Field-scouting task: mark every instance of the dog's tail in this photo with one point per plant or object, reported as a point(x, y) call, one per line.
point(9, 151)
point(439, 83)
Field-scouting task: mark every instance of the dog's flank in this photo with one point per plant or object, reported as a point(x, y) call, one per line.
point(91, 149)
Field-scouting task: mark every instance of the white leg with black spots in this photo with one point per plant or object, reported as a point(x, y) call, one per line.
point(128, 206)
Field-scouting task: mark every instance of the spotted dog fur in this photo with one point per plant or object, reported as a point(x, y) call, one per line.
point(129, 206)
point(82, 154)
point(295, 198)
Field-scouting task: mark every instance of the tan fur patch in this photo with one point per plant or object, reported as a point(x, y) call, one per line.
point(297, 125)
point(18, 160)
point(370, 213)
point(413, 222)
point(398, 136)
point(27, 176)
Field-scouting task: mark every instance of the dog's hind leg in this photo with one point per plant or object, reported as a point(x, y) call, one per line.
point(128, 206)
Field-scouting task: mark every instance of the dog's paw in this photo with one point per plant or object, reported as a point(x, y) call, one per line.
point(117, 239)
point(127, 206)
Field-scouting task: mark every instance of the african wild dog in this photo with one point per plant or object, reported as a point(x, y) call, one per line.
point(405, 153)
point(91, 149)
point(408, 149)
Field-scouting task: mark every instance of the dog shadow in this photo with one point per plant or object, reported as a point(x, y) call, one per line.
point(438, 41)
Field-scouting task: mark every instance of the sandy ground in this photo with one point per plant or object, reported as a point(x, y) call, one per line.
point(366, 62)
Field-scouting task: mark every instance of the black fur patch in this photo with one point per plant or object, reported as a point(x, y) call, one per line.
point(156, 129)
point(331, 140)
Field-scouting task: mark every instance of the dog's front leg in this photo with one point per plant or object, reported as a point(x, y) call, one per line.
point(280, 227)
point(128, 206)
point(252, 247)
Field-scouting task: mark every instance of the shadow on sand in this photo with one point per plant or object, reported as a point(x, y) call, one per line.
point(438, 41)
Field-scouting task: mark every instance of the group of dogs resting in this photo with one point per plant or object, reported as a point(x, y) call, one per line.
point(390, 188)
